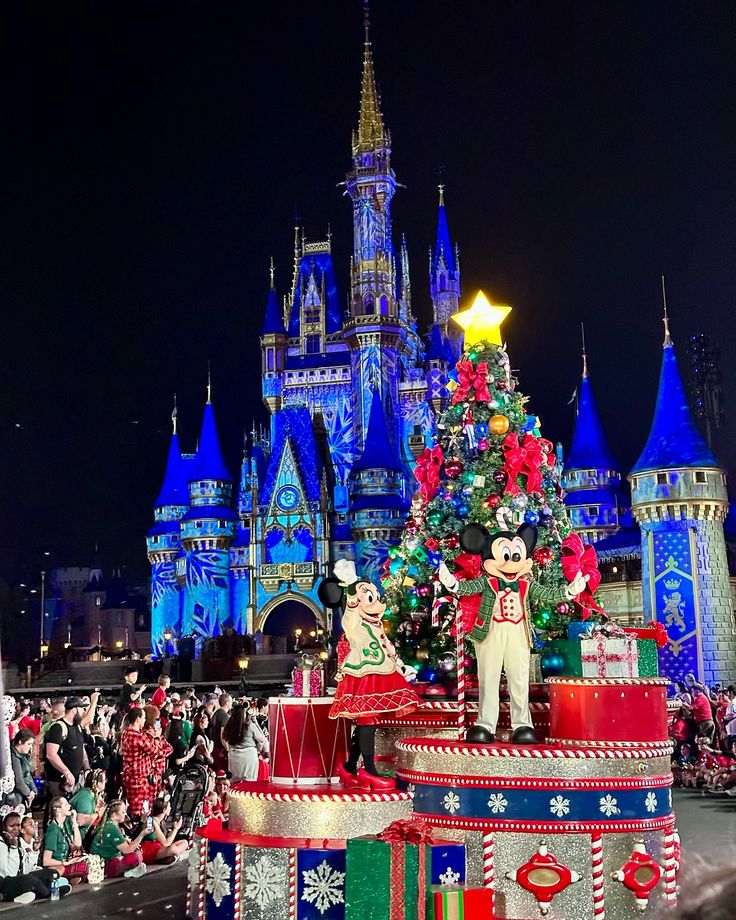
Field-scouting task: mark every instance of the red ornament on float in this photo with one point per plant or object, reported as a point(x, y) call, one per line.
point(492, 501)
point(451, 541)
point(543, 555)
point(544, 876)
point(453, 468)
point(641, 874)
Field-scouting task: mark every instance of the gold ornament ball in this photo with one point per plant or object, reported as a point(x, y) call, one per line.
point(422, 654)
point(498, 424)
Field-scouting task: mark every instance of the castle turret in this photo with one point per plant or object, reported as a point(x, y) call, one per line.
point(591, 479)
point(444, 280)
point(680, 501)
point(163, 546)
point(373, 329)
point(377, 507)
point(207, 529)
point(274, 340)
point(437, 368)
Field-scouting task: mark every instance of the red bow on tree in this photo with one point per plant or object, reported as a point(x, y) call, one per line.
point(467, 567)
point(407, 830)
point(525, 458)
point(470, 377)
point(577, 556)
point(427, 472)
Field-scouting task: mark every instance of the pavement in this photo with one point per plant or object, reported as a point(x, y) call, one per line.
point(707, 826)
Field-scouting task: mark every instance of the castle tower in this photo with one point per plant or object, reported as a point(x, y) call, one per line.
point(273, 350)
point(207, 529)
point(377, 506)
point(591, 478)
point(680, 501)
point(373, 329)
point(162, 543)
point(439, 355)
point(444, 280)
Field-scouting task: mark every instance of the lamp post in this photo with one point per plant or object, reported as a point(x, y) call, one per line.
point(298, 635)
point(43, 613)
point(243, 663)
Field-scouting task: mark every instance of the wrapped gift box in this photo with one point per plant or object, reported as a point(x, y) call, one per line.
point(577, 629)
point(648, 658)
point(383, 876)
point(604, 656)
point(308, 681)
point(462, 904)
point(570, 650)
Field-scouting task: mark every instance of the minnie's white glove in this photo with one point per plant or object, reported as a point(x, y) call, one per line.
point(576, 586)
point(408, 672)
point(447, 578)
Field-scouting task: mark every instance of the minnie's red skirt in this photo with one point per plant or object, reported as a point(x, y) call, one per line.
point(366, 698)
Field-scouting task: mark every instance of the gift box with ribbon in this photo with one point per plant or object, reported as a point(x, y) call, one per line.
point(457, 903)
point(389, 877)
point(308, 677)
point(609, 652)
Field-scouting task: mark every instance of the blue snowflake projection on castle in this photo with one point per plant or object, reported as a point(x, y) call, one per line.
point(352, 395)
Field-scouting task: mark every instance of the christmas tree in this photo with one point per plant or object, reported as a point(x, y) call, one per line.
point(490, 465)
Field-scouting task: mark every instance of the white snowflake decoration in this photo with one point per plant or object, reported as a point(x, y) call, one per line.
point(559, 806)
point(609, 806)
point(218, 879)
point(498, 803)
point(451, 802)
point(650, 802)
point(263, 882)
point(323, 886)
point(449, 877)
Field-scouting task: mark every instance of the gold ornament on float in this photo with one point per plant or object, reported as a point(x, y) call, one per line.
point(498, 424)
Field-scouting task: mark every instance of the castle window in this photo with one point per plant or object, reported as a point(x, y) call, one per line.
point(368, 305)
point(311, 315)
point(383, 305)
point(593, 509)
point(443, 282)
point(98, 601)
point(699, 475)
point(312, 345)
point(661, 479)
point(269, 360)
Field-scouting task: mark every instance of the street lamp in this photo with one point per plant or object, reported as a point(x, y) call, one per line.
point(243, 663)
point(298, 635)
point(118, 643)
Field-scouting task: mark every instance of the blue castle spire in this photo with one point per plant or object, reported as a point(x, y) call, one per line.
point(589, 446)
point(209, 464)
point(174, 489)
point(273, 321)
point(378, 452)
point(437, 350)
point(674, 439)
point(444, 282)
point(443, 245)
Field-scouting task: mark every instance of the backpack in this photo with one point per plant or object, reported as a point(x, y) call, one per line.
point(64, 733)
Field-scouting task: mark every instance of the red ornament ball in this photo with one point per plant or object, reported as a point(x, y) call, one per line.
point(451, 541)
point(543, 555)
point(483, 444)
point(453, 468)
point(493, 500)
point(410, 527)
point(424, 590)
point(502, 384)
point(499, 476)
point(563, 609)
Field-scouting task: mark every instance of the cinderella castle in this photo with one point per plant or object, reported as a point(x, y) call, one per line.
point(352, 396)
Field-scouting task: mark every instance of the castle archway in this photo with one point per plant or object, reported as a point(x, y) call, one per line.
point(289, 611)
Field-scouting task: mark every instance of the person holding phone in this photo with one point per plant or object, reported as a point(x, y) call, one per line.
point(122, 855)
point(144, 754)
point(160, 845)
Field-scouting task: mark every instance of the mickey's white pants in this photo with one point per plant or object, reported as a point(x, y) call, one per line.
point(507, 646)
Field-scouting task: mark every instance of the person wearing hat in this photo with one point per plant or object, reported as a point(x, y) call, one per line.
point(65, 757)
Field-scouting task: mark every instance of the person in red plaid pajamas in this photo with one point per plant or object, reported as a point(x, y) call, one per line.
point(141, 750)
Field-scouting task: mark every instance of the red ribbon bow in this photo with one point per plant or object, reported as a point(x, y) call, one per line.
point(661, 638)
point(525, 458)
point(427, 471)
point(577, 556)
point(467, 567)
point(470, 377)
point(407, 830)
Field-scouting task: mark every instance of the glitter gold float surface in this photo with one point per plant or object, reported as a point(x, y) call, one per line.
point(280, 811)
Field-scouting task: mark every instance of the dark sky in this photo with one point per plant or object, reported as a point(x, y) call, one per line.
point(154, 154)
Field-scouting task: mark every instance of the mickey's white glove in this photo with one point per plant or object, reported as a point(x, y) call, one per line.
point(576, 586)
point(406, 670)
point(447, 578)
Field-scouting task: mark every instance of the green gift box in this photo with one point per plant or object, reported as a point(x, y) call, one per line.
point(571, 651)
point(648, 658)
point(368, 879)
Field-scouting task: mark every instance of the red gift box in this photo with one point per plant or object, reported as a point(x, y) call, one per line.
point(454, 903)
point(308, 682)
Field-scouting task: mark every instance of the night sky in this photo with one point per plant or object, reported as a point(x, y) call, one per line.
point(154, 156)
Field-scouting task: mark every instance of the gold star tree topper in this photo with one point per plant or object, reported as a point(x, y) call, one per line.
point(482, 321)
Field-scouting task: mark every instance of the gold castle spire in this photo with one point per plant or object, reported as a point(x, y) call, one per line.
point(371, 130)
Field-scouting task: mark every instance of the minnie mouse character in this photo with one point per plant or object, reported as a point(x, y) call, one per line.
point(371, 678)
point(501, 631)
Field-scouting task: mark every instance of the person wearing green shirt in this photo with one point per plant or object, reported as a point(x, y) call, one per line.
point(87, 801)
point(121, 855)
point(62, 841)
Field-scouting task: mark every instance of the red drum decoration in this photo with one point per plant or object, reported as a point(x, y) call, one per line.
point(306, 745)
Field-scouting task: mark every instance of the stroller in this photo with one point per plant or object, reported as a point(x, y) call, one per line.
point(187, 798)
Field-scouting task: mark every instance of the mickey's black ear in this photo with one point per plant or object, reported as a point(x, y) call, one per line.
point(528, 533)
point(474, 538)
point(330, 592)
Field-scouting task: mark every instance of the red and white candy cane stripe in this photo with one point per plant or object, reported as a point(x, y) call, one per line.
point(445, 746)
point(670, 874)
point(489, 872)
point(202, 879)
point(596, 852)
point(292, 884)
point(460, 636)
point(237, 875)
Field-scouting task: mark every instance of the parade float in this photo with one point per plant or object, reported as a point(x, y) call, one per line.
point(544, 795)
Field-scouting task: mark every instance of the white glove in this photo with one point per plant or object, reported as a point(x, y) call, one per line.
point(447, 578)
point(406, 670)
point(576, 586)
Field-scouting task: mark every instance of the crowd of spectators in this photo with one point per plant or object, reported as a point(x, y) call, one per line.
point(93, 781)
point(704, 735)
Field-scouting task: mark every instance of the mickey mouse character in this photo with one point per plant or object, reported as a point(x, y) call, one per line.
point(501, 631)
point(371, 678)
